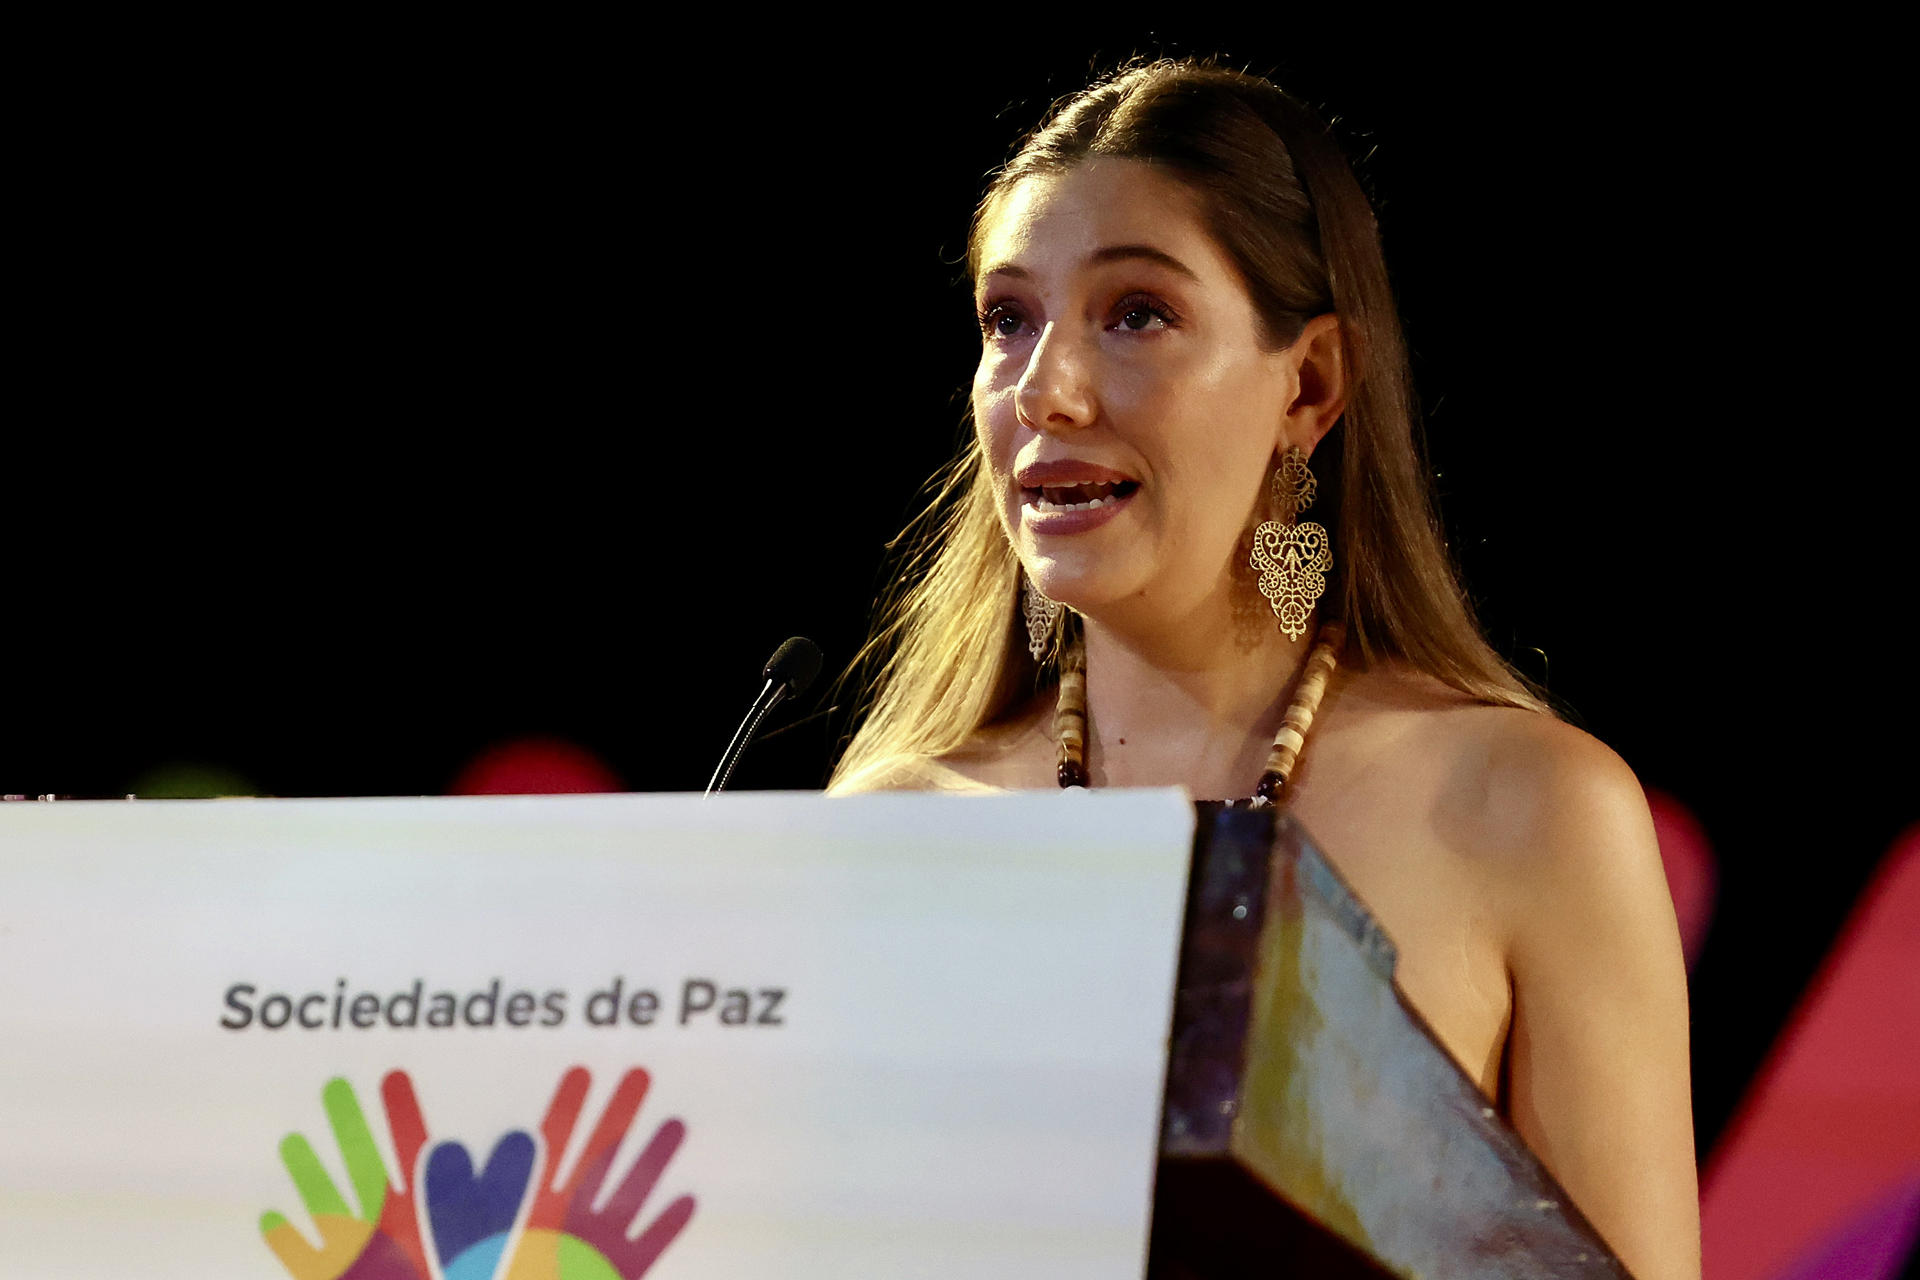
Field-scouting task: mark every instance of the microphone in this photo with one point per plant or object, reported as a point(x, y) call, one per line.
point(790, 670)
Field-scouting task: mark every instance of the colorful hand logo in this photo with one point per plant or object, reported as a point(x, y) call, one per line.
point(471, 1220)
point(382, 1242)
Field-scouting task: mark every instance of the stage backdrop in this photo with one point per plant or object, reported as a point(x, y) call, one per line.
point(585, 1036)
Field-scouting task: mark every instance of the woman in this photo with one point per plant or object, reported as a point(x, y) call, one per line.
point(1191, 543)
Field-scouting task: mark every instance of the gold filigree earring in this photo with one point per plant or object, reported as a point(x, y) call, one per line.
point(1292, 557)
point(1041, 615)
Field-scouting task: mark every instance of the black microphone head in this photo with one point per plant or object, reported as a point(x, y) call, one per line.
point(794, 664)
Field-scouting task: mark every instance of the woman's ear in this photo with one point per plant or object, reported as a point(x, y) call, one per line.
point(1320, 365)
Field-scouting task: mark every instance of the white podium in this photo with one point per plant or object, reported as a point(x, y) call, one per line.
point(753, 1036)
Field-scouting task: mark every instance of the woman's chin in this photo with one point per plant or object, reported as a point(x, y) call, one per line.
point(1087, 582)
point(1080, 594)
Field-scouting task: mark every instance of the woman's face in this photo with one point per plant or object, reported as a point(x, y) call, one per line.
point(1128, 413)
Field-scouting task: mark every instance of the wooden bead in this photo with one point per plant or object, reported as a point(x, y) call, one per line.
point(1070, 720)
point(1315, 673)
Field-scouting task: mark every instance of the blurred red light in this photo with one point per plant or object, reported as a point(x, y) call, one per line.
point(535, 766)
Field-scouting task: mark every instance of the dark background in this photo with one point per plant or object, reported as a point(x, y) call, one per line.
point(386, 394)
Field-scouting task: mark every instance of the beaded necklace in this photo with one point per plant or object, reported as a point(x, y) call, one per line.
point(1070, 719)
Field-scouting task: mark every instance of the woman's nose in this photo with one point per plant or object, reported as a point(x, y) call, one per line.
point(1055, 393)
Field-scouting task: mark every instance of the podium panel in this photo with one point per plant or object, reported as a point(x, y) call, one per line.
point(893, 1035)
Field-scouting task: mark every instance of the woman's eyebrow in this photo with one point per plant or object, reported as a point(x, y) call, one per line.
point(1100, 257)
point(1121, 252)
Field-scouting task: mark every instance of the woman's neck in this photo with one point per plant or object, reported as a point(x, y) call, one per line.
point(1194, 705)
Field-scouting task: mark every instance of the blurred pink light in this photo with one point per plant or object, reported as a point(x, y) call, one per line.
point(1693, 876)
point(1822, 1162)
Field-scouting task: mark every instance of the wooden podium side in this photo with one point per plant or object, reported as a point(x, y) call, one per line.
point(1312, 1124)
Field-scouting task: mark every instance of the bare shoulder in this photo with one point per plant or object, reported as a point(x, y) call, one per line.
point(1542, 823)
point(1004, 756)
point(1562, 825)
point(1552, 803)
point(1504, 782)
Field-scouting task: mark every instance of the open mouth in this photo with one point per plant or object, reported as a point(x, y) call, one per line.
point(1079, 497)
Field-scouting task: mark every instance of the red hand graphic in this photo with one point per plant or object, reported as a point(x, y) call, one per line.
point(563, 1219)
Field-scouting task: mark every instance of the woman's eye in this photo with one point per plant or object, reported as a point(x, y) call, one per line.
point(1138, 314)
point(1000, 321)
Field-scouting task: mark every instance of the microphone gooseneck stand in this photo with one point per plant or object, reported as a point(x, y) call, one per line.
point(789, 671)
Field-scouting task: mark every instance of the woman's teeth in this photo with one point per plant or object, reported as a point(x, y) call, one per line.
point(1048, 503)
point(1082, 497)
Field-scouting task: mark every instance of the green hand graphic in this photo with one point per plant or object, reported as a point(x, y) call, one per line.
point(381, 1241)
